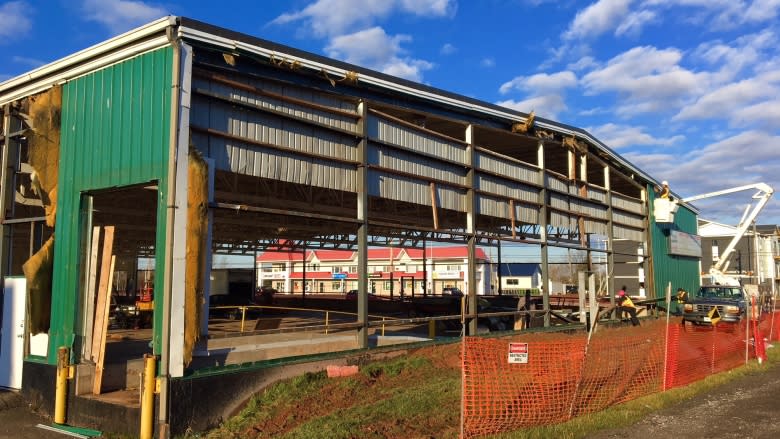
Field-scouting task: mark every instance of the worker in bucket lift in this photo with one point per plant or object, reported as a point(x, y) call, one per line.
point(625, 305)
point(664, 193)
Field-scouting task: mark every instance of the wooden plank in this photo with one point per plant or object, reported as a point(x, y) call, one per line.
point(89, 296)
point(433, 207)
point(96, 386)
point(108, 245)
point(512, 217)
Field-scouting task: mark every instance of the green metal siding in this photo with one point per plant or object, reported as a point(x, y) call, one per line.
point(681, 271)
point(115, 132)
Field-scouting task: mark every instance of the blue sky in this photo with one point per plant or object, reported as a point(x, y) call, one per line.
point(688, 90)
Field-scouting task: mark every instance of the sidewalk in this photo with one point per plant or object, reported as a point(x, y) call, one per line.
point(17, 420)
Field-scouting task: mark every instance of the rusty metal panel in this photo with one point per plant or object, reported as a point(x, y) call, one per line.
point(394, 133)
point(511, 169)
point(344, 122)
point(624, 232)
point(499, 208)
point(628, 219)
point(412, 190)
point(585, 207)
point(556, 183)
point(278, 131)
point(235, 156)
point(627, 203)
point(410, 163)
point(595, 226)
point(559, 201)
point(597, 194)
point(507, 188)
point(562, 220)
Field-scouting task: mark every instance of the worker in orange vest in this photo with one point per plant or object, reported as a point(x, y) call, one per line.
point(625, 304)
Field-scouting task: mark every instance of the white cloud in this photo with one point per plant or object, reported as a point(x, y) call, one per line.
point(719, 103)
point(747, 157)
point(761, 11)
point(598, 18)
point(724, 14)
point(14, 19)
point(764, 114)
point(646, 79)
point(545, 93)
point(31, 62)
point(634, 22)
point(734, 58)
point(488, 62)
point(540, 82)
point(584, 63)
point(547, 106)
point(448, 49)
point(374, 49)
point(121, 15)
point(620, 136)
point(335, 17)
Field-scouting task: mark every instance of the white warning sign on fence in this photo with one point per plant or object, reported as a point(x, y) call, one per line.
point(518, 353)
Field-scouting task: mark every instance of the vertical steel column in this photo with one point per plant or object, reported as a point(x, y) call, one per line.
point(543, 222)
point(648, 246)
point(610, 238)
point(7, 174)
point(471, 229)
point(362, 234)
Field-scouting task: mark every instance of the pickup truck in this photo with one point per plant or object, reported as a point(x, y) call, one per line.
point(729, 301)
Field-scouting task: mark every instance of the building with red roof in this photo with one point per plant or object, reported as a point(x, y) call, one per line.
point(391, 270)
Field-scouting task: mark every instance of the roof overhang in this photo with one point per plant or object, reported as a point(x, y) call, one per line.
point(146, 38)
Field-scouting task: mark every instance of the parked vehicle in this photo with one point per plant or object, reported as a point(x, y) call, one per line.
point(353, 294)
point(265, 295)
point(228, 306)
point(713, 303)
point(452, 291)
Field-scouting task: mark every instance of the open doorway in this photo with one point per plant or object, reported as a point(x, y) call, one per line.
point(118, 283)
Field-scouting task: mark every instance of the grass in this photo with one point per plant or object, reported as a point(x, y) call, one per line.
point(414, 396)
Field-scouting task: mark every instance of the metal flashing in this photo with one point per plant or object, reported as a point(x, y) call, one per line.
point(135, 42)
point(234, 41)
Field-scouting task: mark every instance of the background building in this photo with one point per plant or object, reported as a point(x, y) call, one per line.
point(755, 258)
point(391, 270)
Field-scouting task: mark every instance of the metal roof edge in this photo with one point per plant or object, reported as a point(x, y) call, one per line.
point(65, 68)
point(232, 40)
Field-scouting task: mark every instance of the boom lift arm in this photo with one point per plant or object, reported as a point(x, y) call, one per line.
point(763, 195)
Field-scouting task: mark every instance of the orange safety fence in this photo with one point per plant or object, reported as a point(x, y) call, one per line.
point(533, 379)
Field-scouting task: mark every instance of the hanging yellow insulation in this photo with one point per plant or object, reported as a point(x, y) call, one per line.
point(197, 227)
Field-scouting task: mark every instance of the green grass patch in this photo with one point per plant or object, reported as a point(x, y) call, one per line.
point(394, 367)
point(263, 405)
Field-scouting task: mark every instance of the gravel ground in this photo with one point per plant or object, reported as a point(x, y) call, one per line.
point(748, 407)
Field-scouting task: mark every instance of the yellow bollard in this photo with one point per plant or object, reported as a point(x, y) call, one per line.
point(61, 389)
point(383, 326)
point(327, 316)
point(431, 328)
point(243, 317)
point(147, 397)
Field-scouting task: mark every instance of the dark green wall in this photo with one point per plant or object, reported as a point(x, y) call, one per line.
point(115, 132)
point(681, 271)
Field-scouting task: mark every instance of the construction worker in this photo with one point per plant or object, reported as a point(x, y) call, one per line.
point(626, 305)
point(664, 190)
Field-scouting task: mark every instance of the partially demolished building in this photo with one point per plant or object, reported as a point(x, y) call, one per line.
point(180, 140)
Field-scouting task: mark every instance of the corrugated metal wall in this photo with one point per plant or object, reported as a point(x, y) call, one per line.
point(115, 132)
point(275, 131)
point(681, 271)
